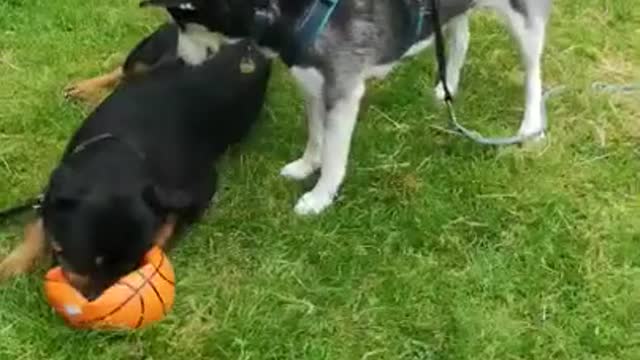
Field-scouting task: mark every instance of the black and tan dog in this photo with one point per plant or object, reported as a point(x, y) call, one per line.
point(144, 161)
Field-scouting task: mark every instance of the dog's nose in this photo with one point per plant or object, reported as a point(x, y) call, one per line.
point(91, 294)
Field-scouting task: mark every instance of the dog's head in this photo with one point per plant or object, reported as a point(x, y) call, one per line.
point(235, 19)
point(100, 231)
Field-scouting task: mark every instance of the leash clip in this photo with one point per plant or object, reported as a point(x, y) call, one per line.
point(37, 205)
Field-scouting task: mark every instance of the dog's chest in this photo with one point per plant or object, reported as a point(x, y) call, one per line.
point(312, 81)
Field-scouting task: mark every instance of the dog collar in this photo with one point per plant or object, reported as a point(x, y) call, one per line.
point(107, 136)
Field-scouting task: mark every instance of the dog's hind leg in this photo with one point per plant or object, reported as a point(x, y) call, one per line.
point(343, 106)
point(528, 27)
point(457, 44)
point(91, 90)
point(23, 258)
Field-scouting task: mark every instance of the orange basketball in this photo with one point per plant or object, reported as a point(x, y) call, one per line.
point(138, 299)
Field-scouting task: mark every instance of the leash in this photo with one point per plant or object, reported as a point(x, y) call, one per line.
point(31, 204)
point(314, 23)
point(448, 98)
point(458, 128)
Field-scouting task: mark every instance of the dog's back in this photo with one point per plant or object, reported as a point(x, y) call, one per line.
point(144, 160)
point(184, 117)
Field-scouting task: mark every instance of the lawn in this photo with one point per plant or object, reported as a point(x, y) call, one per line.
point(436, 249)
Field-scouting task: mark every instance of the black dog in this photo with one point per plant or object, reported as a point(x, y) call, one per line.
point(144, 160)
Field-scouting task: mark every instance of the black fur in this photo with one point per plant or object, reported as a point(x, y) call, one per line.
point(159, 48)
point(519, 6)
point(167, 129)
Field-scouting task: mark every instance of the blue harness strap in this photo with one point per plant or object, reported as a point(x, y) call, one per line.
point(420, 12)
point(315, 22)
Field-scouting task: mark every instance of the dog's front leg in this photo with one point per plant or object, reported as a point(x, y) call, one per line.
point(311, 158)
point(165, 232)
point(90, 90)
point(342, 112)
point(311, 82)
point(25, 256)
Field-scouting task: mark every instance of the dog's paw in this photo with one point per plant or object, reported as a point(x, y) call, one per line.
point(438, 91)
point(532, 130)
point(13, 265)
point(86, 91)
point(534, 136)
point(312, 203)
point(298, 170)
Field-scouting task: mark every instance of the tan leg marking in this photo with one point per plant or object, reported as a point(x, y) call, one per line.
point(165, 232)
point(23, 258)
point(92, 90)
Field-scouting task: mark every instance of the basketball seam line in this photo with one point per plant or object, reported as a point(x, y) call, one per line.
point(164, 306)
point(147, 280)
point(141, 311)
point(160, 272)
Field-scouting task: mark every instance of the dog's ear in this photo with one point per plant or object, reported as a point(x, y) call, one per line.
point(181, 4)
point(163, 200)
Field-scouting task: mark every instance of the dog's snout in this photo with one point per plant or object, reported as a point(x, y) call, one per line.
point(82, 283)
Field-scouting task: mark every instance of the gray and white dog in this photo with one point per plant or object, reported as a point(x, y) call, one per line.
point(362, 39)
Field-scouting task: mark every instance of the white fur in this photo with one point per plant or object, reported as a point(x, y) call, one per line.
point(458, 44)
point(379, 72)
point(418, 47)
point(338, 130)
point(196, 43)
point(312, 83)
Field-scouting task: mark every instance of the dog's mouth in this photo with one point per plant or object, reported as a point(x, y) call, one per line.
point(91, 288)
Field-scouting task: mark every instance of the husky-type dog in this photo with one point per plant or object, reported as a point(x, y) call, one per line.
point(361, 39)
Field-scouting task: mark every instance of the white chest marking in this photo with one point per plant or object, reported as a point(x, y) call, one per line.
point(310, 80)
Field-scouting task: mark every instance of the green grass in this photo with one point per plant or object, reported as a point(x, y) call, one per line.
point(436, 249)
